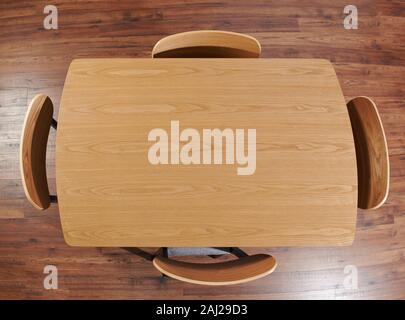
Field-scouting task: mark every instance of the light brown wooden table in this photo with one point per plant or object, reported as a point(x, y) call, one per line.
point(304, 189)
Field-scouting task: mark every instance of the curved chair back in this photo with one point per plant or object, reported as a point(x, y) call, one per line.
point(34, 140)
point(236, 271)
point(207, 44)
point(373, 168)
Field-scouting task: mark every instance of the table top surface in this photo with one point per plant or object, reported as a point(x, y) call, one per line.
point(135, 165)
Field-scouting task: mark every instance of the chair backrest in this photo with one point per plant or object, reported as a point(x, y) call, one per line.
point(373, 168)
point(34, 140)
point(223, 273)
point(207, 44)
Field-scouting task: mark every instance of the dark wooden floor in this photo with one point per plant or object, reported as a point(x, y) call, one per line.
point(369, 61)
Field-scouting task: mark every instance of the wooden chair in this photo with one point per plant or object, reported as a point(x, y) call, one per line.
point(34, 138)
point(373, 168)
point(207, 44)
point(245, 268)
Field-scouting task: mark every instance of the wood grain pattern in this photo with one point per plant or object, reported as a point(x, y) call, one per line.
point(207, 44)
point(34, 140)
point(373, 167)
point(368, 61)
point(110, 195)
point(232, 272)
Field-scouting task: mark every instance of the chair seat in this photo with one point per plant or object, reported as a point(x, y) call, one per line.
point(223, 273)
point(207, 44)
point(373, 167)
point(181, 252)
point(34, 139)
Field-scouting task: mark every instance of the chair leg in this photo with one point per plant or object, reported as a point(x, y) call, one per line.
point(54, 123)
point(139, 252)
point(238, 252)
point(163, 252)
